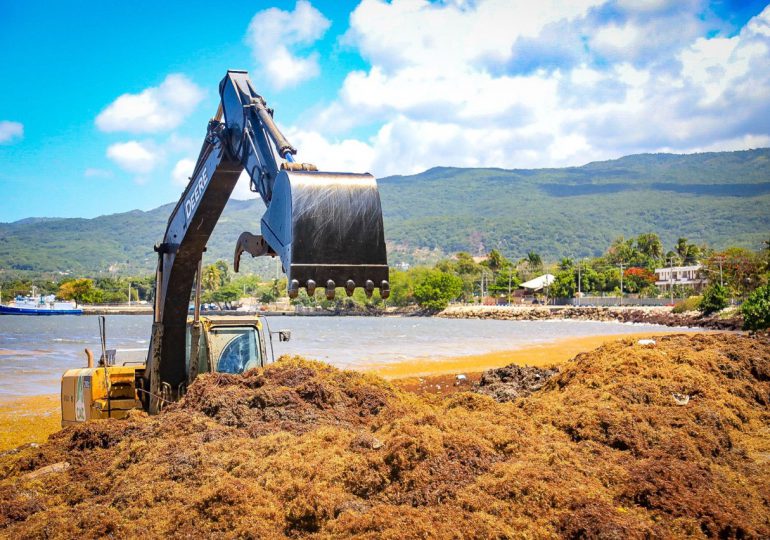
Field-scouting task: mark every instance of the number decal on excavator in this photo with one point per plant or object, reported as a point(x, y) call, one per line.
point(80, 404)
point(192, 201)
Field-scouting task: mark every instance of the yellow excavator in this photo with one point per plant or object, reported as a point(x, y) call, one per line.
point(326, 228)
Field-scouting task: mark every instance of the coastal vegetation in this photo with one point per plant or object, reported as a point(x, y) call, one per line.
point(756, 309)
point(626, 267)
point(571, 212)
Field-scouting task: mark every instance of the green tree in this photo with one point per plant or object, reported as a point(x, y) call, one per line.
point(622, 250)
point(566, 263)
point(688, 253)
point(211, 278)
point(81, 290)
point(466, 265)
point(401, 287)
point(267, 294)
point(224, 272)
point(223, 296)
point(505, 280)
point(247, 283)
point(715, 298)
point(496, 262)
point(534, 262)
point(741, 269)
point(637, 279)
point(436, 289)
point(756, 310)
point(649, 244)
point(564, 285)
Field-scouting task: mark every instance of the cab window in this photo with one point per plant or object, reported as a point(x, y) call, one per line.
point(235, 349)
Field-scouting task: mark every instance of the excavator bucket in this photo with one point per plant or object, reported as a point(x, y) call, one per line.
point(327, 230)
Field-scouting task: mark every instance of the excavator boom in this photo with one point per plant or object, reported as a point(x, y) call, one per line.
point(325, 227)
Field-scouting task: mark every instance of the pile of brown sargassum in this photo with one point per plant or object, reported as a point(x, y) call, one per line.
point(669, 440)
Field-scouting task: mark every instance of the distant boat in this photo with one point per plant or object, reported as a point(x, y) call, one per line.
point(42, 305)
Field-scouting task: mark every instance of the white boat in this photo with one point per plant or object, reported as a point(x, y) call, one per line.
point(40, 305)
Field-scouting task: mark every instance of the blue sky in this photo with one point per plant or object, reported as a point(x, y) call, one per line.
point(104, 104)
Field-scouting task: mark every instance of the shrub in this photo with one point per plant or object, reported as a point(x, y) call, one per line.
point(714, 299)
point(688, 304)
point(756, 310)
point(436, 288)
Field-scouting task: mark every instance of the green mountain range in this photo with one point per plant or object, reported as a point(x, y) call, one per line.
point(720, 198)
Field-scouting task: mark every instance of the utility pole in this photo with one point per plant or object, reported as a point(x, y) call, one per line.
point(721, 282)
point(579, 291)
point(621, 283)
point(481, 300)
point(671, 278)
point(129, 294)
point(510, 275)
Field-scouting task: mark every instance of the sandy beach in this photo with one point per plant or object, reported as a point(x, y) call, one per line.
point(32, 419)
point(28, 420)
point(546, 354)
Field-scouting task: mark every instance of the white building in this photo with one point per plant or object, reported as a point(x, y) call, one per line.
point(539, 283)
point(683, 276)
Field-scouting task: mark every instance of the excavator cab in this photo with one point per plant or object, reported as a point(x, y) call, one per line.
point(226, 345)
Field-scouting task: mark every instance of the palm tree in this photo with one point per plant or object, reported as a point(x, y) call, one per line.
point(212, 277)
point(534, 261)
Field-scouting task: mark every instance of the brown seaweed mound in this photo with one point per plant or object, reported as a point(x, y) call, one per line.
point(627, 441)
point(512, 382)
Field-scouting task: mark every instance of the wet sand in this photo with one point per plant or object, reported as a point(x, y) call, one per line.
point(546, 354)
point(32, 419)
point(28, 420)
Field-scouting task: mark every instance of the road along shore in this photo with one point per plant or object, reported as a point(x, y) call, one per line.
point(630, 314)
point(647, 315)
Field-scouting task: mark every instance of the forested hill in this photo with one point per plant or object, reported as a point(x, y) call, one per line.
point(720, 198)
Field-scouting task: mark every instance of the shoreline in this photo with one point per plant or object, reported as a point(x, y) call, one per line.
point(628, 314)
point(660, 315)
point(540, 355)
point(30, 419)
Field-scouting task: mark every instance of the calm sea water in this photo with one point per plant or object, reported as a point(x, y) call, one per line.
point(35, 351)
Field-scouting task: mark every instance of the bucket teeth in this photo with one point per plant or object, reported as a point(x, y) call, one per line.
point(293, 289)
point(331, 285)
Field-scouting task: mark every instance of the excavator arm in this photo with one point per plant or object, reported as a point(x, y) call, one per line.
point(325, 227)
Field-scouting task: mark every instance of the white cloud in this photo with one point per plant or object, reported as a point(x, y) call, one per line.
point(743, 142)
point(10, 131)
point(182, 171)
point(136, 157)
point(242, 190)
point(159, 108)
point(418, 32)
point(274, 36)
point(617, 37)
point(347, 155)
point(438, 92)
